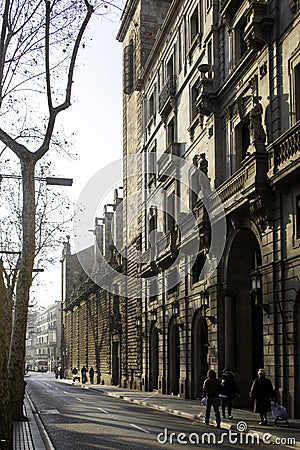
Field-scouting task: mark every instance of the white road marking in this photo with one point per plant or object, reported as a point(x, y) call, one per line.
point(80, 399)
point(139, 428)
point(103, 410)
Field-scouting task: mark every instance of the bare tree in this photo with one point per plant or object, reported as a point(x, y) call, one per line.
point(53, 217)
point(39, 44)
point(6, 427)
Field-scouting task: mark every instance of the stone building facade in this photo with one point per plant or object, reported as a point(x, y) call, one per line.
point(91, 317)
point(216, 84)
point(43, 338)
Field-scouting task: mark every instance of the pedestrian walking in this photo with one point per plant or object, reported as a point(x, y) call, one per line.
point(83, 375)
point(75, 375)
point(212, 390)
point(229, 392)
point(262, 393)
point(91, 374)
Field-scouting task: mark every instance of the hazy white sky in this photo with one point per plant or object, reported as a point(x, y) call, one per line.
point(96, 119)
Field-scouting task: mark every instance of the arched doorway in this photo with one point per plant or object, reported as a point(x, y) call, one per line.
point(243, 316)
point(153, 357)
point(297, 357)
point(199, 354)
point(173, 358)
point(115, 363)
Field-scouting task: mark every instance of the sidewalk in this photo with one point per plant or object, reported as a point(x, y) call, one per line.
point(28, 435)
point(243, 420)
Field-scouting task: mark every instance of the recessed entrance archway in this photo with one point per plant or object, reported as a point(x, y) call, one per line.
point(243, 317)
point(115, 363)
point(173, 358)
point(153, 358)
point(297, 357)
point(199, 354)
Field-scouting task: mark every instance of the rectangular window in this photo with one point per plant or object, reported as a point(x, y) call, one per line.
point(197, 267)
point(194, 24)
point(194, 96)
point(297, 91)
point(209, 58)
point(153, 290)
point(151, 168)
point(170, 212)
point(170, 68)
point(171, 132)
point(173, 280)
point(242, 142)
point(180, 48)
point(195, 187)
point(245, 138)
point(152, 162)
point(241, 43)
point(151, 106)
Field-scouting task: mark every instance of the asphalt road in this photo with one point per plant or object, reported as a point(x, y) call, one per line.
point(79, 418)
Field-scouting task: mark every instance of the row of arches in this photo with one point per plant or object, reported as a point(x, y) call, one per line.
point(240, 328)
point(244, 336)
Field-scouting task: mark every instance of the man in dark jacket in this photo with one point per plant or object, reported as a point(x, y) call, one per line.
point(229, 392)
point(262, 392)
point(211, 390)
point(83, 375)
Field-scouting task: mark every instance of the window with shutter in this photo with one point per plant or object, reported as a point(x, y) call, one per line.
point(128, 69)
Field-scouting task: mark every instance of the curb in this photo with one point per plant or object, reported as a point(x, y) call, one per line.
point(272, 439)
point(40, 437)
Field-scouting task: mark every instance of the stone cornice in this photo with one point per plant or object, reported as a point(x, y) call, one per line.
point(126, 18)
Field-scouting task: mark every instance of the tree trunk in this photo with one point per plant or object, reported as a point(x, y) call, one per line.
point(17, 349)
point(6, 424)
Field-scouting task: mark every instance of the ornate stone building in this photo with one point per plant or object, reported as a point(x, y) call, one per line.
point(91, 318)
point(215, 83)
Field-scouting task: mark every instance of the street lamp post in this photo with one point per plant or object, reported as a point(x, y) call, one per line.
point(256, 290)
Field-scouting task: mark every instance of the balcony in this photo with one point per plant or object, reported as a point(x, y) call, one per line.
point(206, 99)
point(166, 164)
point(284, 155)
point(249, 186)
point(166, 99)
point(259, 25)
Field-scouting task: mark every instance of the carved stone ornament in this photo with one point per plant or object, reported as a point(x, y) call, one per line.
point(257, 132)
point(260, 210)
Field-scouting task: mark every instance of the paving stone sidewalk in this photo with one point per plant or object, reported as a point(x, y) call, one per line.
point(27, 435)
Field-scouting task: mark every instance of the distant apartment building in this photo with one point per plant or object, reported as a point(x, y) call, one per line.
point(43, 342)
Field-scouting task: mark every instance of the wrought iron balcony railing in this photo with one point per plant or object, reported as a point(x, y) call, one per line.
point(168, 91)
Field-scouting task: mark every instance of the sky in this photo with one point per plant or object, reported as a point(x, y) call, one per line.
point(95, 117)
